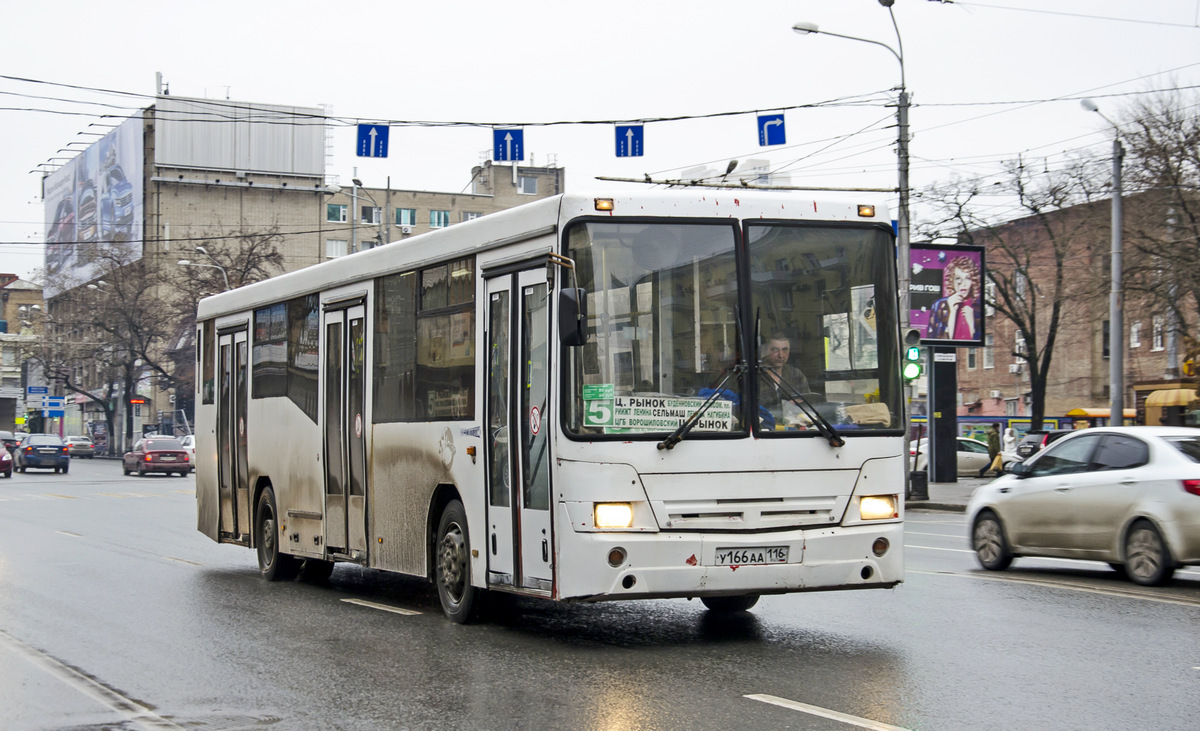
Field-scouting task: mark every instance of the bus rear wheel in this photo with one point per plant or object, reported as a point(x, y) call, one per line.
point(729, 603)
point(272, 564)
point(452, 570)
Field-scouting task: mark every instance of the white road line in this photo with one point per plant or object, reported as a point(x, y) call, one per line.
point(384, 607)
point(1056, 585)
point(934, 548)
point(69, 533)
point(824, 713)
point(64, 497)
point(182, 560)
point(134, 713)
point(936, 535)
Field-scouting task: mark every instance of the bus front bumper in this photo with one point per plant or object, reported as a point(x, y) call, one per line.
point(664, 564)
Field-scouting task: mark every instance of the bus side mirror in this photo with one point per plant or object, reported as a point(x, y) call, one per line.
point(572, 317)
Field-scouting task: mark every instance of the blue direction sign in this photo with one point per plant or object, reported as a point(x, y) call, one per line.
point(372, 140)
point(770, 130)
point(508, 144)
point(629, 140)
point(31, 390)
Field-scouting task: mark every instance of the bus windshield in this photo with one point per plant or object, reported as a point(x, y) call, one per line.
point(665, 332)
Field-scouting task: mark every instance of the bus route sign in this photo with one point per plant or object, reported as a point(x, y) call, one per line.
point(631, 414)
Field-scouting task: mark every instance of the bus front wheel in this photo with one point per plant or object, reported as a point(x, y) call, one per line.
point(273, 564)
point(460, 601)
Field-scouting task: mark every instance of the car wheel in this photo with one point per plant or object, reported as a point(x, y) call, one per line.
point(460, 601)
point(991, 547)
point(272, 563)
point(66, 469)
point(729, 603)
point(125, 470)
point(1147, 560)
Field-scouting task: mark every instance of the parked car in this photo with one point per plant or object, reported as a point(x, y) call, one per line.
point(42, 451)
point(157, 454)
point(1037, 440)
point(189, 443)
point(81, 447)
point(1129, 496)
point(6, 463)
point(972, 456)
point(10, 440)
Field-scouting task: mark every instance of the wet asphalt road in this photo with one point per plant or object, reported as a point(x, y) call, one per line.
point(116, 614)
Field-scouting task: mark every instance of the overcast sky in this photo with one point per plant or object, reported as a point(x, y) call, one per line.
point(989, 80)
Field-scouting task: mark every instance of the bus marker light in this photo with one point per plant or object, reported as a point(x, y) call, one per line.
point(616, 557)
point(880, 546)
point(604, 204)
point(866, 211)
point(613, 515)
point(877, 507)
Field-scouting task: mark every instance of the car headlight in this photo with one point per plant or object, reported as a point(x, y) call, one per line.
point(613, 515)
point(878, 507)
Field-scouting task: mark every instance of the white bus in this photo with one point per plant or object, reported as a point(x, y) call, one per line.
point(648, 395)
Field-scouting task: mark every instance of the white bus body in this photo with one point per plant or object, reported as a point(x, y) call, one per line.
point(420, 408)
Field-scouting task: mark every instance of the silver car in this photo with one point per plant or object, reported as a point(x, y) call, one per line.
point(1128, 496)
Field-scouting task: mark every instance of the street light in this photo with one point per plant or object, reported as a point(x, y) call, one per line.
point(902, 226)
point(358, 184)
point(1116, 325)
point(186, 263)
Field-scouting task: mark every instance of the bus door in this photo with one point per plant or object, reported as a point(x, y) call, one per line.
point(232, 469)
point(345, 432)
point(520, 542)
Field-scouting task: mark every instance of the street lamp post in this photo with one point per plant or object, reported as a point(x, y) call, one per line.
point(902, 104)
point(1116, 324)
point(215, 265)
point(382, 213)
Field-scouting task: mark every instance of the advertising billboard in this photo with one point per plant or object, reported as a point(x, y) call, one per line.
point(946, 294)
point(94, 200)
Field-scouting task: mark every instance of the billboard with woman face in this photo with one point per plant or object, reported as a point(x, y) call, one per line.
point(946, 294)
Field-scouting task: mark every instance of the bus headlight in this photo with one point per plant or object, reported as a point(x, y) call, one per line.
point(613, 515)
point(877, 507)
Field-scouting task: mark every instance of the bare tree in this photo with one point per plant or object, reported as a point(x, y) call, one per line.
point(1034, 261)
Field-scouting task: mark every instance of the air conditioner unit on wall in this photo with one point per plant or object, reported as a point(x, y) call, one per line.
point(995, 394)
point(1014, 368)
point(406, 229)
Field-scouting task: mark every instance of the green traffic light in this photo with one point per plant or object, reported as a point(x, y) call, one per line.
point(911, 371)
point(913, 353)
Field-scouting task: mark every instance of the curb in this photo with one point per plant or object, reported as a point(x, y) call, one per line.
point(940, 507)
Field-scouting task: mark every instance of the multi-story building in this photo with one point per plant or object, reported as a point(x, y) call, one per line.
point(187, 172)
point(20, 323)
point(995, 380)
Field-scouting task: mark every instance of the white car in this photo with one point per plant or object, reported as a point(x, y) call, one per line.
point(972, 456)
point(1128, 496)
point(189, 443)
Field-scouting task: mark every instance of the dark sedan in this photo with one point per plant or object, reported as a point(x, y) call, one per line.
point(158, 454)
point(43, 451)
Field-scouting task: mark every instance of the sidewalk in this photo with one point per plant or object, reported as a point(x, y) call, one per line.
point(948, 496)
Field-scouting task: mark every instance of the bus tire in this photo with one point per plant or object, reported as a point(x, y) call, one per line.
point(273, 564)
point(729, 603)
point(452, 568)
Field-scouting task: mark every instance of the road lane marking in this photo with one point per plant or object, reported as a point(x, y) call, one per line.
point(64, 497)
point(182, 560)
point(824, 713)
point(384, 607)
point(1119, 593)
point(69, 533)
point(936, 535)
point(134, 713)
point(935, 548)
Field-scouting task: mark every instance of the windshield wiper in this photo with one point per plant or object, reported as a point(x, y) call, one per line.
point(791, 394)
point(683, 429)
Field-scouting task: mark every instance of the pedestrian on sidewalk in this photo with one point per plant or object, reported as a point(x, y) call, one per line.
point(993, 441)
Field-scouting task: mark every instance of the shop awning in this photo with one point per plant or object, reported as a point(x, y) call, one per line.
point(1171, 397)
point(1100, 413)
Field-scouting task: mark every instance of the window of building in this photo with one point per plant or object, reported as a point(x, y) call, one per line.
point(8, 356)
point(989, 295)
point(406, 216)
point(989, 354)
point(1020, 283)
point(527, 185)
point(1019, 346)
point(335, 213)
point(371, 214)
point(1135, 335)
point(1104, 346)
point(439, 219)
point(336, 247)
point(971, 358)
point(471, 215)
point(1157, 334)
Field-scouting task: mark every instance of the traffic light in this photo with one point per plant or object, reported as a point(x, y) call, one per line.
point(910, 366)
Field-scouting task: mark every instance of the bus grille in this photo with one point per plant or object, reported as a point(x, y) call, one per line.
point(749, 514)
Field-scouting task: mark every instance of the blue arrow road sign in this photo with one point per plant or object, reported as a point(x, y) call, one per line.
point(372, 140)
point(508, 144)
point(629, 140)
point(770, 130)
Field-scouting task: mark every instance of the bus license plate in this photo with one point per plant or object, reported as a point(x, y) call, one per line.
point(751, 556)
